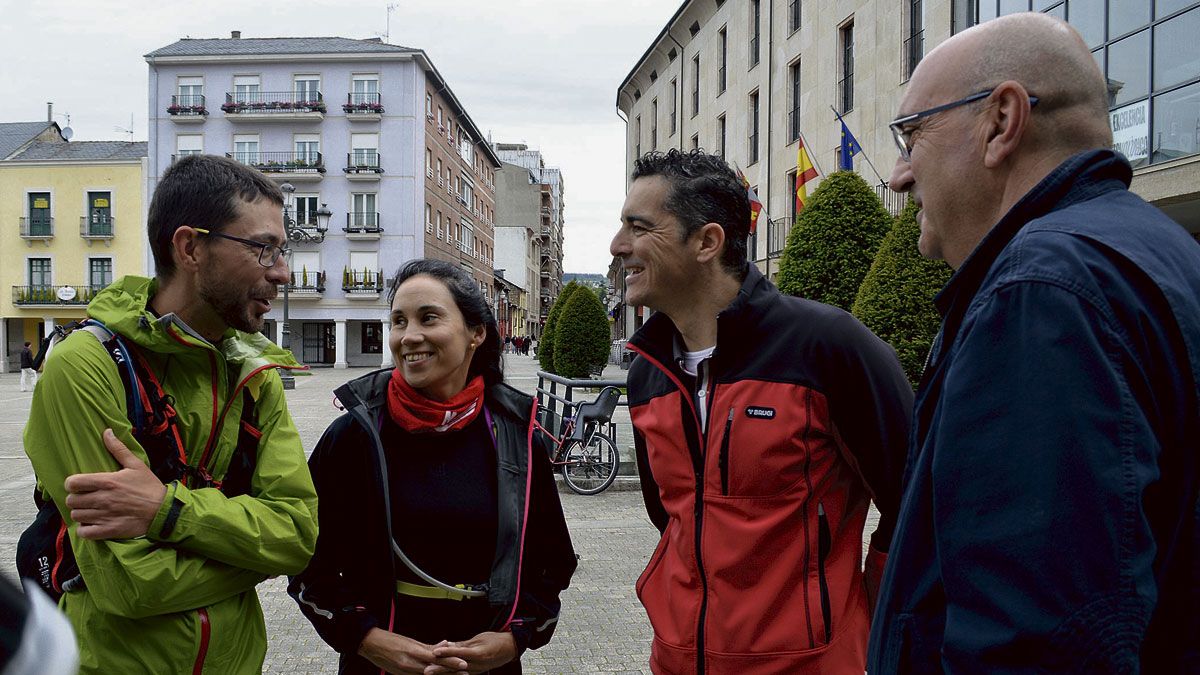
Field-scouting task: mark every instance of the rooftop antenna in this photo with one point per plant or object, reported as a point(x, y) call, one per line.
point(117, 127)
point(387, 31)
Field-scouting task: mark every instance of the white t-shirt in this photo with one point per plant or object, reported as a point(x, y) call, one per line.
point(693, 363)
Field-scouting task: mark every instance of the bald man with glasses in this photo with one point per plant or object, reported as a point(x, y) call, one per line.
point(168, 564)
point(1050, 520)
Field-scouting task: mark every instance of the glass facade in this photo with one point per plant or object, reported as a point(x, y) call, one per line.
point(1150, 55)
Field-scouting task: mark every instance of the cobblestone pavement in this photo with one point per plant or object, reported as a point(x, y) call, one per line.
point(603, 627)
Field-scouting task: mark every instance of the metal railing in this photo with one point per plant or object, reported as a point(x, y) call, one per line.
point(306, 282)
point(753, 140)
point(187, 104)
point(914, 51)
point(362, 221)
point(364, 161)
point(894, 202)
point(96, 227)
point(272, 102)
point(555, 408)
point(50, 295)
point(846, 93)
point(777, 235)
point(362, 281)
point(794, 124)
point(37, 227)
point(363, 103)
point(282, 162)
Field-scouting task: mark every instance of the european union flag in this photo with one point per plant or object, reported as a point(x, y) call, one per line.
point(850, 148)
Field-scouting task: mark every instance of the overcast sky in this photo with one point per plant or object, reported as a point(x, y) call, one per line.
point(542, 72)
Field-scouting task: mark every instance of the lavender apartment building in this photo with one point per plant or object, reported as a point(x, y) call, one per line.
point(379, 162)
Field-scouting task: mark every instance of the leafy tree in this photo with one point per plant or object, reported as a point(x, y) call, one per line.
point(835, 238)
point(896, 298)
point(581, 336)
point(546, 343)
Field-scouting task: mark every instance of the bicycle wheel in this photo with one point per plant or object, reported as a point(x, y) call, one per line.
point(592, 468)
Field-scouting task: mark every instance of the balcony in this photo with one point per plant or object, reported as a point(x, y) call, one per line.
point(53, 296)
point(97, 227)
point(289, 166)
point(362, 225)
point(362, 284)
point(545, 233)
point(914, 50)
point(362, 107)
point(188, 109)
point(363, 165)
point(37, 228)
point(273, 106)
point(305, 284)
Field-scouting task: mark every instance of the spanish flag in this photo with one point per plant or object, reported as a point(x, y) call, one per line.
point(755, 202)
point(804, 173)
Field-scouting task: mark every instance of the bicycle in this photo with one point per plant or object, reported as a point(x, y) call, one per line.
point(589, 460)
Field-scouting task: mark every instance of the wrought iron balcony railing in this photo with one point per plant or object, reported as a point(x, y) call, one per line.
point(282, 162)
point(37, 227)
point(304, 281)
point(364, 161)
point(363, 103)
point(96, 227)
point(53, 295)
point(187, 104)
point(362, 281)
point(362, 221)
point(273, 102)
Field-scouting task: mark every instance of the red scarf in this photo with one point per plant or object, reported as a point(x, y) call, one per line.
point(416, 413)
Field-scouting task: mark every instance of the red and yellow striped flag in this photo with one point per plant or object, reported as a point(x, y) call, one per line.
point(804, 173)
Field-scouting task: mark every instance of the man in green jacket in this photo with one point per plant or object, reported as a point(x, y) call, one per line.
point(170, 570)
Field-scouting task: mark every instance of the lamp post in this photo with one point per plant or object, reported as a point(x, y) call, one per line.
point(297, 232)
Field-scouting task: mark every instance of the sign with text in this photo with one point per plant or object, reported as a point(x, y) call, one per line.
point(1131, 131)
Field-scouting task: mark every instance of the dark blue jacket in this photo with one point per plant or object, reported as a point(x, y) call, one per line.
point(1050, 520)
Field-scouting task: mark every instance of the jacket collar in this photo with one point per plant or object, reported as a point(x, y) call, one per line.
point(659, 337)
point(370, 391)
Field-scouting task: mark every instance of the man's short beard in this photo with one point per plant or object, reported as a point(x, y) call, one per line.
point(231, 304)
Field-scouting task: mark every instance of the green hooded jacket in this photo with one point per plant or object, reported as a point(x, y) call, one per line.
point(180, 600)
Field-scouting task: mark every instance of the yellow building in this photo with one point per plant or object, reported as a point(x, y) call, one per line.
point(74, 220)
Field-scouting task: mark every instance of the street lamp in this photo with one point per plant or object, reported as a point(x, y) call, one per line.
point(300, 234)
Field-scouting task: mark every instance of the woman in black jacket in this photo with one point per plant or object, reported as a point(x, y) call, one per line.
point(442, 546)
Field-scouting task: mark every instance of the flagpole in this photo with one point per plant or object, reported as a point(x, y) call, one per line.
point(811, 156)
point(864, 152)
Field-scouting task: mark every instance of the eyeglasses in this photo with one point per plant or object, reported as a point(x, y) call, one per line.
point(903, 137)
point(268, 254)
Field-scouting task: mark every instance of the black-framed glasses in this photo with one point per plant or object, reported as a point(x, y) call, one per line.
point(268, 254)
point(903, 136)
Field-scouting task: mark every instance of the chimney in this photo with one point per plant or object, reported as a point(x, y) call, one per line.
point(49, 112)
point(236, 34)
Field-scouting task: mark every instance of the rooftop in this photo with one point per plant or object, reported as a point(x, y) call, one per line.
point(82, 151)
point(270, 46)
point(15, 134)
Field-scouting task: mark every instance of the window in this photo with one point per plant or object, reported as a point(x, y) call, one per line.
point(846, 62)
point(363, 214)
point(429, 105)
point(654, 124)
point(794, 104)
point(914, 45)
point(696, 141)
point(429, 163)
point(41, 220)
point(100, 272)
point(793, 16)
point(791, 188)
point(306, 209)
point(99, 218)
point(307, 88)
point(372, 337)
point(753, 128)
point(721, 136)
point(755, 32)
point(438, 225)
point(428, 218)
point(364, 89)
point(637, 147)
point(674, 104)
point(245, 148)
point(723, 38)
point(305, 268)
point(308, 149)
point(39, 272)
point(191, 91)
point(696, 85)
point(246, 89)
point(363, 269)
point(364, 150)
point(188, 144)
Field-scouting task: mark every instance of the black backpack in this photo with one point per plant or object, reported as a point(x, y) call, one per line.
point(44, 551)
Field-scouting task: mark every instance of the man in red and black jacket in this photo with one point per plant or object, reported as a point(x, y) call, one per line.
point(764, 426)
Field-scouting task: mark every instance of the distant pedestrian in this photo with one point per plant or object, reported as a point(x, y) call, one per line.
point(28, 373)
point(508, 344)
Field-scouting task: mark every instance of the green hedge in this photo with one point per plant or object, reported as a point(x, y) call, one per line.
point(545, 352)
point(896, 298)
point(581, 335)
point(835, 238)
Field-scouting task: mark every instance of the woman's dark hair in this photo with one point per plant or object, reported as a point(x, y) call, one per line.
point(487, 360)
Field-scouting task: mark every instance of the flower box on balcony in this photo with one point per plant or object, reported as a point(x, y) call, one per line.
point(351, 108)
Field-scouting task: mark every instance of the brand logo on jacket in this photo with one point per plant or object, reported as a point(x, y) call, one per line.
point(758, 412)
